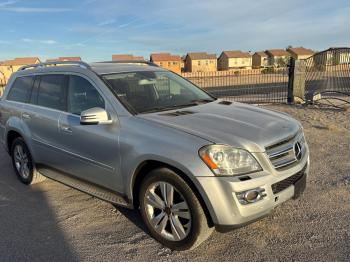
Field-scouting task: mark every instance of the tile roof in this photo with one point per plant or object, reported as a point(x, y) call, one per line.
point(261, 53)
point(201, 56)
point(21, 61)
point(277, 52)
point(126, 57)
point(300, 51)
point(236, 54)
point(164, 57)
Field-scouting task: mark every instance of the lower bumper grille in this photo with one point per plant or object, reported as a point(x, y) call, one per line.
point(282, 185)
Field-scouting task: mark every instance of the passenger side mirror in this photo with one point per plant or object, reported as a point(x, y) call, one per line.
point(94, 116)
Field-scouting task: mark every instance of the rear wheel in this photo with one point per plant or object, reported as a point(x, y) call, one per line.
point(23, 163)
point(171, 211)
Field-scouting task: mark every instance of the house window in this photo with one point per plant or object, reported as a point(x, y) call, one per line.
point(161, 63)
point(199, 62)
point(174, 63)
point(206, 62)
point(169, 63)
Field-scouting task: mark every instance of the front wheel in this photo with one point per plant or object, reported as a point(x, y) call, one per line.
point(171, 211)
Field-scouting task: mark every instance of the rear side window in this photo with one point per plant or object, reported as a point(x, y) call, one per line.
point(52, 92)
point(21, 89)
point(82, 95)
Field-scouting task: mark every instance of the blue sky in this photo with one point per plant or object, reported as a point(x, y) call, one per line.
point(95, 29)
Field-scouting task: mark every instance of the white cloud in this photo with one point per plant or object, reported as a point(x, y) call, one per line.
point(35, 9)
point(4, 42)
point(107, 22)
point(48, 42)
point(7, 3)
point(45, 41)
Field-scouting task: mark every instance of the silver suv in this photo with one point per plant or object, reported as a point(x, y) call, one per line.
point(139, 136)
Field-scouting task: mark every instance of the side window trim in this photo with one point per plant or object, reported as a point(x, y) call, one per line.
point(35, 90)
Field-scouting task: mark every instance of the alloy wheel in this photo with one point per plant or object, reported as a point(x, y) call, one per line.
point(21, 161)
point(167, 211)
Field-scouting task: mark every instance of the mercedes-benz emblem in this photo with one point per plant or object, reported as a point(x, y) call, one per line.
point(297, 151)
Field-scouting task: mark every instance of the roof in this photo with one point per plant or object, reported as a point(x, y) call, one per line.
point(261, 53)
point(300, 51)
point(277, 52)
point(158, 57)
point(201, 56)
point(236, 54)
point(124, 57)
point(21, 61)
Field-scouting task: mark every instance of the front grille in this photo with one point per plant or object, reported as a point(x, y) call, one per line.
point(282, 154)
point(282, 185)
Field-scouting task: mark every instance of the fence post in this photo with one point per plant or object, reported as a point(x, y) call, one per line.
point(296, 84)
point(291, 67)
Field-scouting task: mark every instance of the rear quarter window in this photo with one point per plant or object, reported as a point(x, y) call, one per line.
point(21, 89)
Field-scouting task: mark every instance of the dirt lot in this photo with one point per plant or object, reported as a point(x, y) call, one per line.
point(51, 222)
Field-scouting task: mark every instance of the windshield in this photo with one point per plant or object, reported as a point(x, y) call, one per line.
point(155, 91)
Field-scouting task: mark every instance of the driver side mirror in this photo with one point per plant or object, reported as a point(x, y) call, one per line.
point(95, 116)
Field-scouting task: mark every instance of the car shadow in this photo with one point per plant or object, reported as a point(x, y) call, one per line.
point(29, 230)
point(133, 216)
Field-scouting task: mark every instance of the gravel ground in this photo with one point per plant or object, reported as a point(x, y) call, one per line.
point(51, 222)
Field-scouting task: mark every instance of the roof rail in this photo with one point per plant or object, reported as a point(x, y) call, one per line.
point(55, 63)
point(131, 62)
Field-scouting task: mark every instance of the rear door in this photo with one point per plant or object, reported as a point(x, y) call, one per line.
point(41, 116)
point(91, 151)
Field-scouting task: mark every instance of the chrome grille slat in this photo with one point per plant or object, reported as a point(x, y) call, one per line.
point(281, 153)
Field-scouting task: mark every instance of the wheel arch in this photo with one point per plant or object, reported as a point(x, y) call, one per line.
point(148, 165)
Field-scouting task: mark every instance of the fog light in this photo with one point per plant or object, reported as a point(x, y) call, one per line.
point(251, 196)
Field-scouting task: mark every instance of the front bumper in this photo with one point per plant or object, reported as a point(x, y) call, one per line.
point(226, 210)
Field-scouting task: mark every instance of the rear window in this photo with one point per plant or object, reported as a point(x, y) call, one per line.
point(21, 89)
point(52, 92)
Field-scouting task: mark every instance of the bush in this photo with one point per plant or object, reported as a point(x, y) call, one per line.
point(268, 70)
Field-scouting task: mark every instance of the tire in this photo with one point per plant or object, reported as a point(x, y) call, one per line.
point(23, 163)
point(163, 220)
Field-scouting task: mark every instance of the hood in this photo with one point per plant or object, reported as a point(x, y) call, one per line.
point(235, 124)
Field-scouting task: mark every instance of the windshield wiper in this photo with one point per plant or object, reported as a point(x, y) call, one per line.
point(202, 101)
point(160, 109)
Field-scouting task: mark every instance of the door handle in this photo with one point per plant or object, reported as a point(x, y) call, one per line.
point(66, 129)
point(26, 116)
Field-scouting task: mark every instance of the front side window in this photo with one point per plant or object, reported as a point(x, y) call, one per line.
point(52, 92)
point(82, 95)
point(155, 91)
point(21, 89)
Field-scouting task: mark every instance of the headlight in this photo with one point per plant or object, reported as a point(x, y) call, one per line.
point(228, 161)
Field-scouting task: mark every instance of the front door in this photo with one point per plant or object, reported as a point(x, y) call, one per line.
point(90, 152)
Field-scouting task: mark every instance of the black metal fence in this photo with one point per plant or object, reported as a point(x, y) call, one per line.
point(267, 85)
point(328, 75)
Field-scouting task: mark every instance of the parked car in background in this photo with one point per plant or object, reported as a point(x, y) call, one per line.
point(139, 136)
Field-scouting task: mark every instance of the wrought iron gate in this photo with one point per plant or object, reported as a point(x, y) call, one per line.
point(328, 75)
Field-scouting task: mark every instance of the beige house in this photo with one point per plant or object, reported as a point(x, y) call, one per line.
point(277, 57)
point(167, 61)
point(64, 59)
point(260, 60)
point(231, 60)
point(300, 52)
point(10, 66)
point(200, 62)
point(127, 57)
